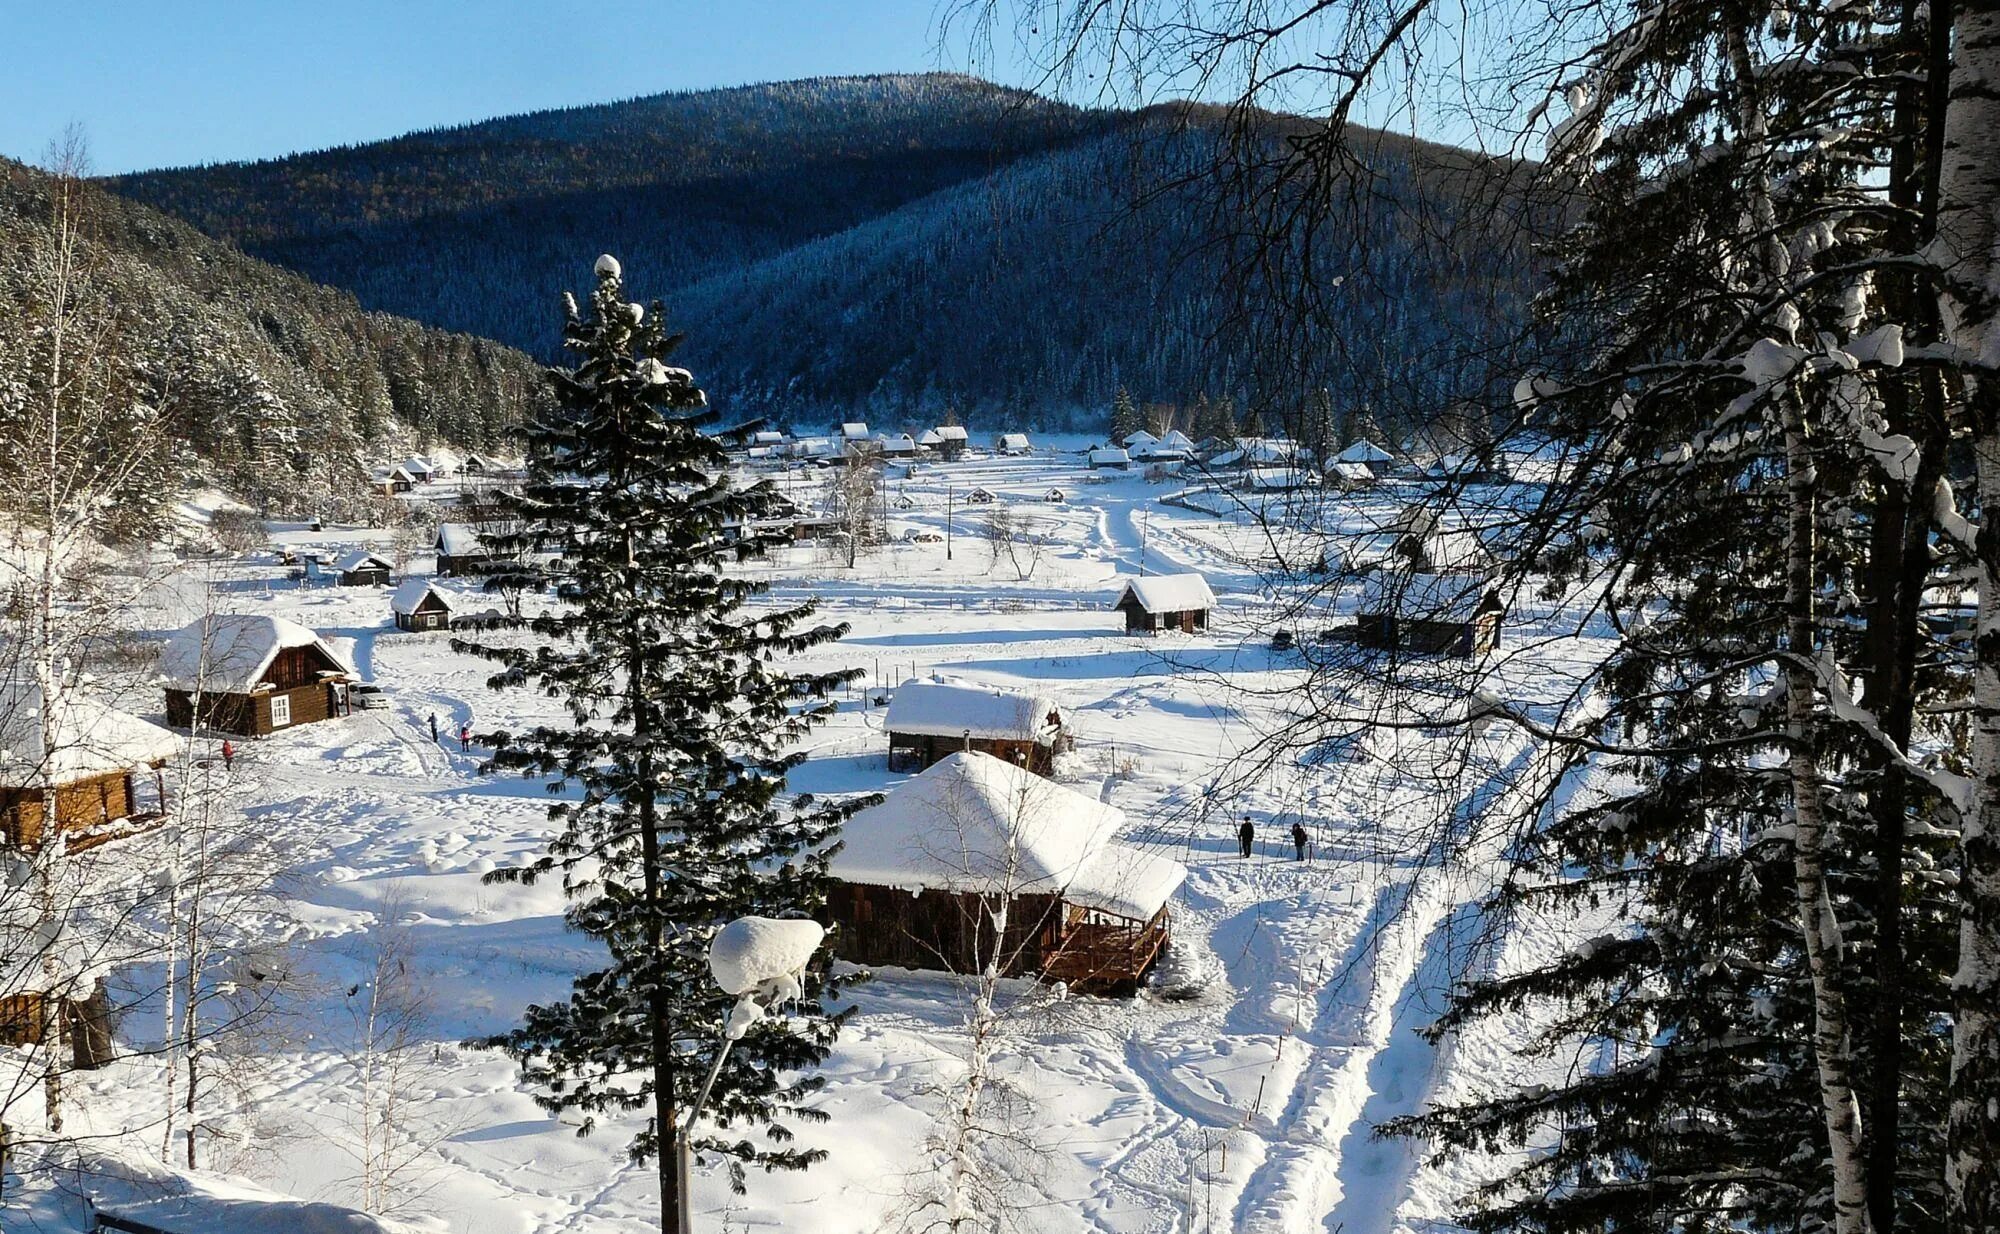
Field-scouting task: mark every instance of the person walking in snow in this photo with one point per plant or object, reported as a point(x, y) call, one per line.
point(1299, 840)
point(1245, 836)
point(465, 739)
point(434, 728)
point(228, 754)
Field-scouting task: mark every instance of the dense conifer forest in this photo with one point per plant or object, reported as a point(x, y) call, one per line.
point(878, 247)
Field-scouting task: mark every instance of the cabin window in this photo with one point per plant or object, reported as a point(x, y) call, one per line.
point(281, 710)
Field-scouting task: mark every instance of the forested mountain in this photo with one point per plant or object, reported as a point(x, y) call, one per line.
point(875, 246)
point(277, 387)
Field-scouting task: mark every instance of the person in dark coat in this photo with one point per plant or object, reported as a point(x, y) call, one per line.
point(465, 739)
point(434, 728)
point(1246, 835)
point(1299, 840)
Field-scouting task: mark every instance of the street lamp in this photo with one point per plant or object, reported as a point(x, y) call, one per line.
point(761, 961)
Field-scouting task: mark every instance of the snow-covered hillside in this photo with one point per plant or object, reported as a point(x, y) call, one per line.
point(1244, 1102)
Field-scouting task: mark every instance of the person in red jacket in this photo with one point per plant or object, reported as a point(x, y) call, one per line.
point(228, 754)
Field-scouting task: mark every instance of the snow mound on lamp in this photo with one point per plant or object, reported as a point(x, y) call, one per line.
point(762, 957)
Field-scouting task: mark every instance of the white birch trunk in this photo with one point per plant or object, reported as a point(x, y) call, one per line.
point(1818, 925)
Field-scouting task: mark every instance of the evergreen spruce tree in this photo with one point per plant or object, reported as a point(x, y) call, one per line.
point(672, 756)
point(1738, 487)
point(1125, 418)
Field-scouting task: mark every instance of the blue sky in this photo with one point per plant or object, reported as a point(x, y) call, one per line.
point(168, 82)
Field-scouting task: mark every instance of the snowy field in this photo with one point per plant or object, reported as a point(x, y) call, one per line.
point(1247, 1107)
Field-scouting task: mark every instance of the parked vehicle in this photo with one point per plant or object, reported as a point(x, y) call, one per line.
point(367, 696)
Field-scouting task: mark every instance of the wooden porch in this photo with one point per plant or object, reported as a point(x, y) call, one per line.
point(1102, 954)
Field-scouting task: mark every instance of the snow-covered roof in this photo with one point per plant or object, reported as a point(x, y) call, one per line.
point(409, 595)
point(1109, 454)
point(460, 540)
point(973, 822)
point(399, 473)
point(1357, 473)
point(417, 465)
point(950, 432)
point(1445, 552)
point(444, 459)
point(901, 443)
point(1169, 593)
point(815, 447)
point(1013, 441)
point(1363, 451)
point(951, 708)
point(1281, 477)
point(767, 437)
point(362, 559)
point(1141, 438)
point(1257, 451)
point(1426, 597)
point(929, 437)
point(88, 738)
point(1176, 440)
point(854, 428)
point(229, 653)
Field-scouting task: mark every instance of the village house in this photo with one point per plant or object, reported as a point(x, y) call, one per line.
point(1109, 457)
point(363, 569)
point(1166, 602)
point(461, 550)
point(394, 480)
point(103, 764)
point(1139, 442)
point(418, 469)
point(1369, 455)
point(1350, 476)
point(854, 430)
point(1175, 447)
point(948, 441)
point(979, 497)
point(417, 604)
point(1448, 614)
point(899, 445)
point(1013, 443)
point(477, 464)
point(929, 721)
point(919, 877)
point(252, 675)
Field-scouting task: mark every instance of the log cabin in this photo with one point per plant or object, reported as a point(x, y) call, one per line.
point(418, 605)
point(252, 675)
point(1166, 602)
point(101, 764)
point(461, 550)
point(1434, 614)
point(929, 721)
point(363, 569)
point(920, 878)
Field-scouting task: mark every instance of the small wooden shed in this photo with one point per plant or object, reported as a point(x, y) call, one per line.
point(929, 721)
point(102, 764)
point(418, 605)
point(363, 569)
point(1369, 455)
point(1111, 458)
point(1166, 602)
point(1013, 443)
point(252, 675)
point(919, 877)
point(1435, 614)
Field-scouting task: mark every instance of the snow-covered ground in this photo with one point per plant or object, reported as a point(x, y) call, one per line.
point(1248, 1107)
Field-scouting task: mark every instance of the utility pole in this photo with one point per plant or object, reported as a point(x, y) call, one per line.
point(947, 521)
point(1145, 525)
